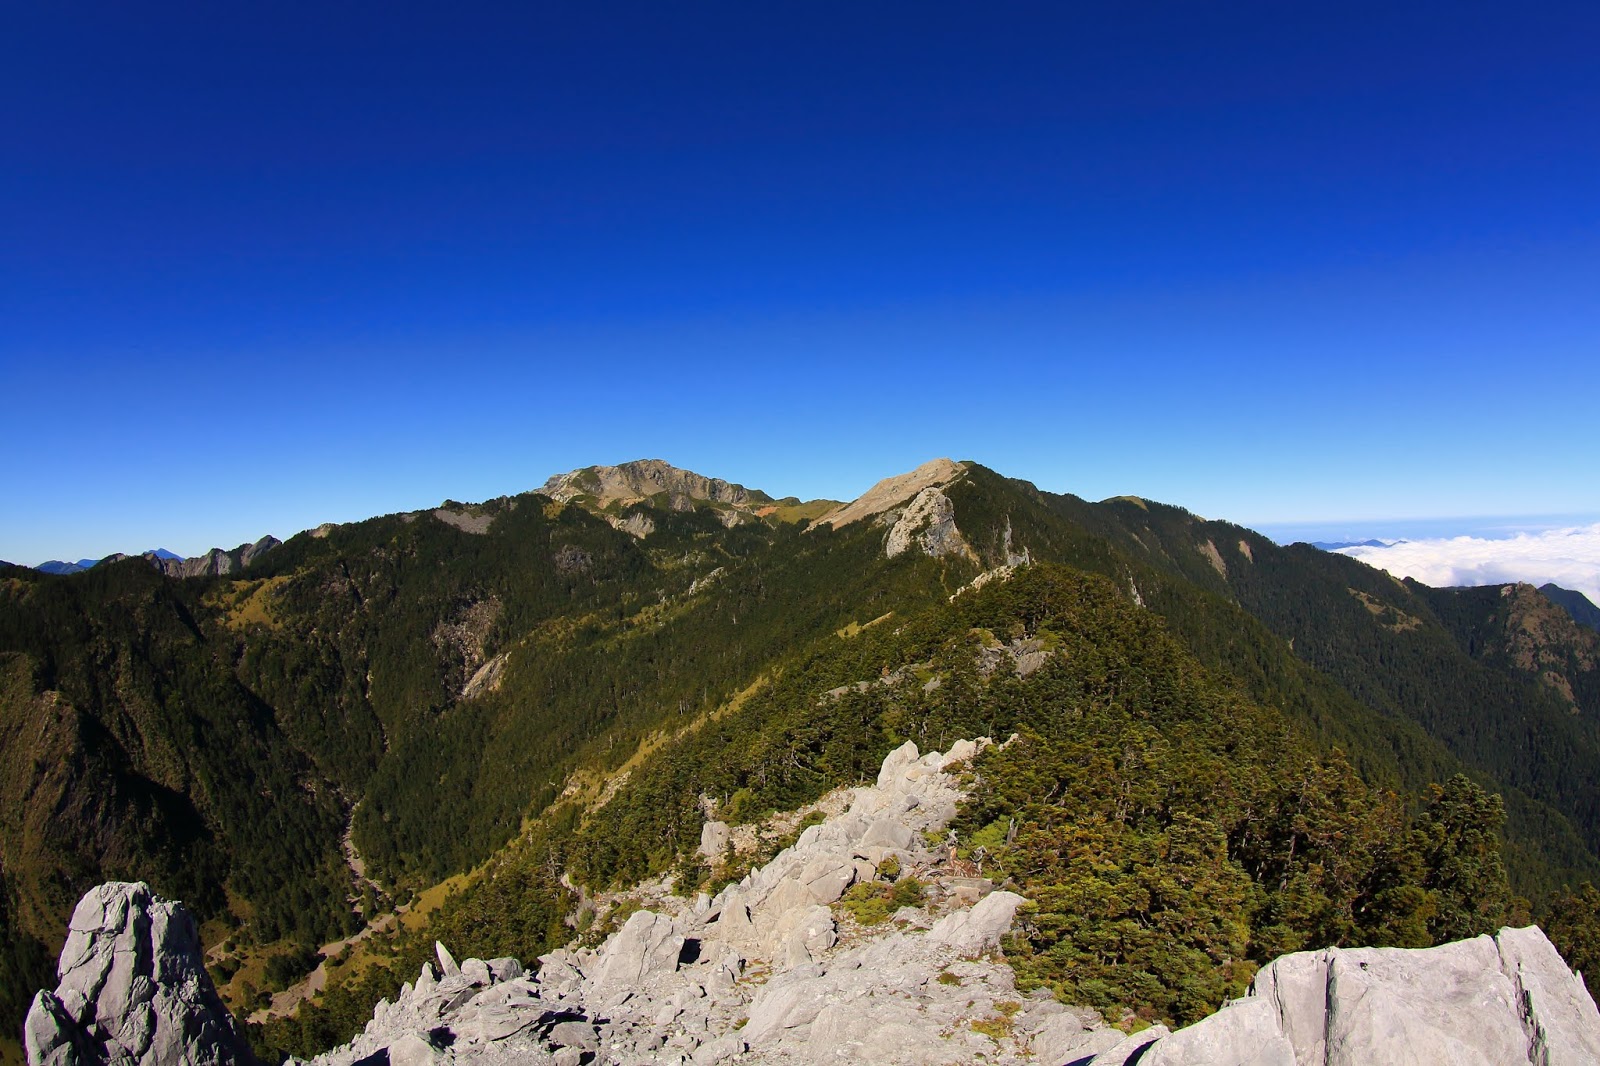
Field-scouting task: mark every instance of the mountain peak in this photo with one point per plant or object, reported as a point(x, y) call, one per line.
point(642, 479)
point(893, 491)
point(1583, 612)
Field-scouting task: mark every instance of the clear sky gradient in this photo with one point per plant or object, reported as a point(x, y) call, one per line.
point(266, 266)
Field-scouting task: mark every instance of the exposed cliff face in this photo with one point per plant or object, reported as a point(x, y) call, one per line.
point(929, 523)
point(214, 562)
point(915, 510)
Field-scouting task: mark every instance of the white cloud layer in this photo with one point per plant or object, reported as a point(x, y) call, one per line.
point(1570, 557)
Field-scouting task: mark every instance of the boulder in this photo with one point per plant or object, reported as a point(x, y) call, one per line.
point(133, 989)
point(1499, 1000)
point(714, 837)
point(414, 1049)
point(783, 1007)
point(977, 931)
point(827, 877)
point(647, 943)
point(896, 764)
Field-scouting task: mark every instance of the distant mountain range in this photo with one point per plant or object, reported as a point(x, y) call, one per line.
point(56, 566)
point(214, 562)
point(1578, 605)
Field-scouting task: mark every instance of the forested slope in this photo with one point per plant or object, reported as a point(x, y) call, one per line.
point(1386, 644)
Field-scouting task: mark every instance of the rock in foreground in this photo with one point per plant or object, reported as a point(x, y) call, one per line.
point(1489, 1001)
point(772, 970)
point(133, 990)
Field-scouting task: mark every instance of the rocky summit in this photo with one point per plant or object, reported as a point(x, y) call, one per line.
point(773, 969)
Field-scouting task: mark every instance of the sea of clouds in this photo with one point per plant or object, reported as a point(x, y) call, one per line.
point(1570, 557)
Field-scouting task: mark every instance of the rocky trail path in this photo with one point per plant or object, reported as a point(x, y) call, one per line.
point(773, 970)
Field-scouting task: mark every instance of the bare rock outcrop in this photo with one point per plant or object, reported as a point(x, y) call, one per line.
point(892, 492)
point(914, 508)
point(132, 990)
point(768, 971)
point(1490, 1001)
point(215, 562)
point(643, 479)
point(928, 522)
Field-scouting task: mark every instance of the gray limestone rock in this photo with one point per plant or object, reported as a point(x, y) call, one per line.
point(414, 1049)
point(647, 943)
point(928, 522)
point(1500, 1000)
point(1056, 1037)
point(714, 837)
point(1130, 1049)
point(978, 930)
point(133, 989)
point(214, 562)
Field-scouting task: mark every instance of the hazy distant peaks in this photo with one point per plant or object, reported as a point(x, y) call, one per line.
point(57, 566)
point(216, 561)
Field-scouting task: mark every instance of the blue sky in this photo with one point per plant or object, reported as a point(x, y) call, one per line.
point(261, 269)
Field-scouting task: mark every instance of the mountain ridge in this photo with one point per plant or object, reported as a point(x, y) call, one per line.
point(340, 665)
point(1582, 610)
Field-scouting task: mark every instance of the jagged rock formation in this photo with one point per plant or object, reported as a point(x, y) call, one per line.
point(1493, 1001)
point(929, 523)
point(914, 509)
point(214, 562)
point(133, 990)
